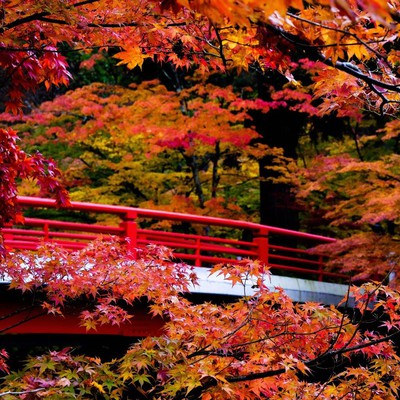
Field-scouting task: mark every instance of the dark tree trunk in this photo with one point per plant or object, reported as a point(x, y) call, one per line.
point(279, 128)
point(215, 174)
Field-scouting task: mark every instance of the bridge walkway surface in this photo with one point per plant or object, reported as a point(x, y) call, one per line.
point(197, 240)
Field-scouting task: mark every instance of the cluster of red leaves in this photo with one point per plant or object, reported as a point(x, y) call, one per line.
point(15, 164)
point(333, 177)
point(25, 71)
point(3, 361)
point(260, 346)
point(104, 273)
point(365, 255)
point(359, 197)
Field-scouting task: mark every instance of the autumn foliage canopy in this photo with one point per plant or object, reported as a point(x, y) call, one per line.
point(339, 58)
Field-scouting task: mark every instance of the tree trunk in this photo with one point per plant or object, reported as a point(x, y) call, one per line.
point(279, 128)
point(215, 175)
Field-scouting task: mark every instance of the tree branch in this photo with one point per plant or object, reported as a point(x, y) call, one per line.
point(257, 375)
point(332, 28)
point(23, 321)
point(221, 51)
point(25, 20)
point(45, 16)
point(38, 16)
point(347, 67)
point(90, 25)
point(310, 363)
point(21, 393)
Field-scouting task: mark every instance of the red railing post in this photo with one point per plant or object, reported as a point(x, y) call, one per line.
point(261, 240)
point(129, 225)
point(320, 268)
point(197, 262)
point(46, 232)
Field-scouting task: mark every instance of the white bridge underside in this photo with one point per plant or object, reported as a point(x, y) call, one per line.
point(299, 290)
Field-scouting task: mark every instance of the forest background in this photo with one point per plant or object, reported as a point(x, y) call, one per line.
point(287, 137)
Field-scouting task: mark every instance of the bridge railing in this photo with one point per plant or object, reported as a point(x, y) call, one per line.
point(284, 251)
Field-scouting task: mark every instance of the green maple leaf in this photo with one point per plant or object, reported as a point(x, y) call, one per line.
point(142, 379)
point(47, 365)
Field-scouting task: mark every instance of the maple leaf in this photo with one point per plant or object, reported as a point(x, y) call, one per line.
point(89, 324)
point(98, 386)
point(132, 57)
point(3, 361)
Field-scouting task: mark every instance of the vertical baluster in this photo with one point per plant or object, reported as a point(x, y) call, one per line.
point(46, 236)
point(198, 253)
point(320, 268)
point(261, 240)
point(129, 225)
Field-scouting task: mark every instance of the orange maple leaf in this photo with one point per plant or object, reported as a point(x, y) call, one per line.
point(132, 57)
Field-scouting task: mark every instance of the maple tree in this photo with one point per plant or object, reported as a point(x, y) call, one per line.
point(151, 147)
point(353, 187)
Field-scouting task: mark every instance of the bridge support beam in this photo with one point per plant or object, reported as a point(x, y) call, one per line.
point(17, 316)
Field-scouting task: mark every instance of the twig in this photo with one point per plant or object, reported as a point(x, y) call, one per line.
point(20, 393)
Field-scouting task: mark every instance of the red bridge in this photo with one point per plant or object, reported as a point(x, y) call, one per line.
point(210, 241)
point(266, 243)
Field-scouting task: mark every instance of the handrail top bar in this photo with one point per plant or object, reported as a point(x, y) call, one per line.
point(147, 213)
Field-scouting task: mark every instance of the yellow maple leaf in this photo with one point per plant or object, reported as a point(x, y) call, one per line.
point(132, 57)
point(394, 57)
point(98, 386)
point(89, 324)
